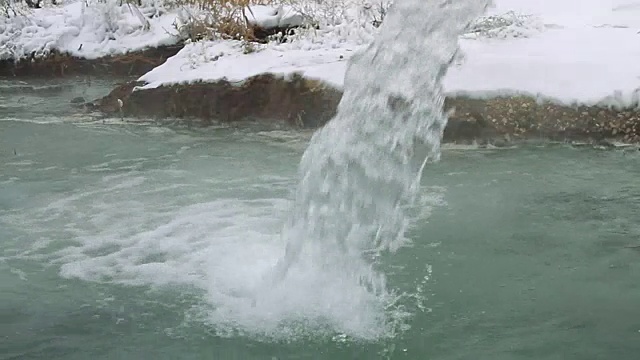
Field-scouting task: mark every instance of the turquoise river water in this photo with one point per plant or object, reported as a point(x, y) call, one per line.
point(136, 241)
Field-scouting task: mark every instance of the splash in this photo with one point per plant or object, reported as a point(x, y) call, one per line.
point(362, 171)
point(142, 224)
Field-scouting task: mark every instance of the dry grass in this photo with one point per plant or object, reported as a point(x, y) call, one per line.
point(10, 8)
point(226, 19)
point(227, 5)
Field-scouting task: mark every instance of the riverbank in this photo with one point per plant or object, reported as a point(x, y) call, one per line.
point(58, 64)
point(306, 103)
point(147, 237)
point(532, 71)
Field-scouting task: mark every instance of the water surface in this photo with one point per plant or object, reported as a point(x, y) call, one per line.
point(134, 241)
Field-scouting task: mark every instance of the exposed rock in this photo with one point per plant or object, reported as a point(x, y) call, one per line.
point(527, 118)
point(78, 100)
point(263, 35)
point(310, 103)
point(298, 101)
point(57, 64)
point(266, 21)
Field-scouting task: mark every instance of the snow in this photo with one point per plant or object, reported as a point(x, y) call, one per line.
point(225, 60)
point(102, 28)
point(569, 51)
point(274, 17)
point(589, 54)
point(588, 66)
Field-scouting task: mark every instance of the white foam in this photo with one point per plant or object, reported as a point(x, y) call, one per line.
point(361, 171)
point(34, 120)
point(144, 229)
point(21, 163)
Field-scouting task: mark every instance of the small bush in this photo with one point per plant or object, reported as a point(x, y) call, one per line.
point(8, 8)
point(507, 25)
point(320, 12)
point(211, 19)
point(377, 11)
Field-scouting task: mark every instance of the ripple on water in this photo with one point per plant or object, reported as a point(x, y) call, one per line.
point(136, 230)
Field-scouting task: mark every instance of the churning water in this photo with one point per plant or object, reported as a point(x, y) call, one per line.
point(362, 170)
point(122, 241)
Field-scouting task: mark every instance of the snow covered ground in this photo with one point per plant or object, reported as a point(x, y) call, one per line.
point(589, 53)
point(88, 29)
point(569, 51)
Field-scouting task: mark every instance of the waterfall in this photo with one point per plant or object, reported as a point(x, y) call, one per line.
point(361, 171)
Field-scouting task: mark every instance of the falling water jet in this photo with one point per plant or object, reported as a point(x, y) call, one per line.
point(362, 170)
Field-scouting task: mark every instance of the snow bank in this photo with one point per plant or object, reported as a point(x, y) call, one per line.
point(225, 60)
point(269, 17)
point(588, 66)
point(570, 51)
point(315, 53)
point(577, 13)
point(100, 29)
point(574, 51)
point(588, 53)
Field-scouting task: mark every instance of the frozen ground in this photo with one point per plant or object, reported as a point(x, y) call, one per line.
point(570, 51)
point(88, 29)
point(589, 52)
point(579, 51)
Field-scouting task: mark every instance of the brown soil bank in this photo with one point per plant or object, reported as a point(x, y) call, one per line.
point(57, 64)
point(309, 103)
